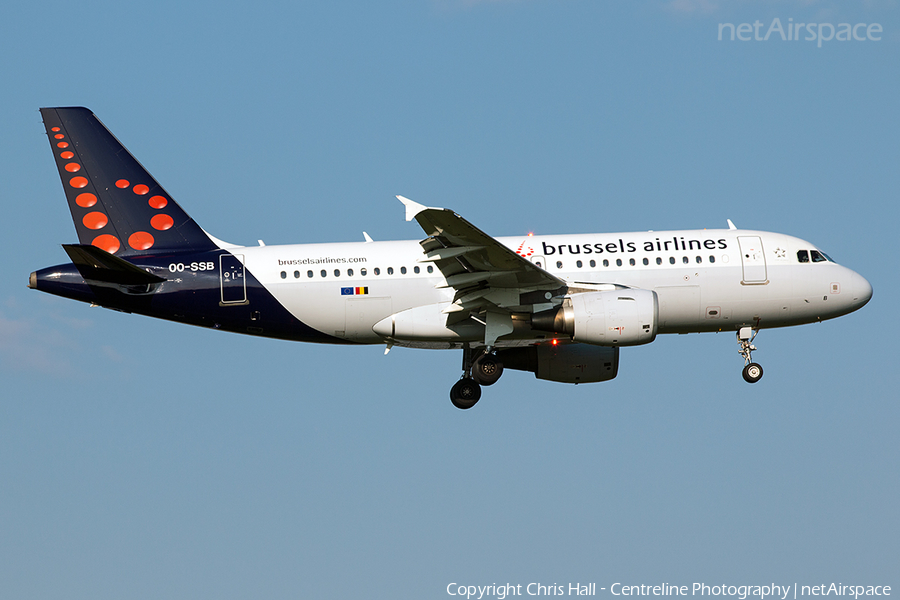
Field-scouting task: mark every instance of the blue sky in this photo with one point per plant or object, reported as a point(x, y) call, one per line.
point(145, 459)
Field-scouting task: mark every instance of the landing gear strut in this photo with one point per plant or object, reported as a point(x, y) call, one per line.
point(752, 372)
point(480, 367)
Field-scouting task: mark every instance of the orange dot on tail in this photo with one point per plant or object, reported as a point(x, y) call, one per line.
point(63, 145)
point(107, 242)
point(55, 129)
point(162, 222)
point(122, 183)
point(157, 202)
point(95, 220)
point(141, 189)
point(59, 136)
point(86, 200)
point(78, 182)
point(67, 155)
point(73, 167)
point(140, 240)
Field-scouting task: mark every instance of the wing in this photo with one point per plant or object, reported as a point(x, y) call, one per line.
point(490, 280)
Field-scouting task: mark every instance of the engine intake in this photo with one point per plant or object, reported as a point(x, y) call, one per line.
point(608, 318)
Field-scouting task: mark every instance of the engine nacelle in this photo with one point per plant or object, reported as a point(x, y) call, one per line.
point(565, 363)
point(608, 318)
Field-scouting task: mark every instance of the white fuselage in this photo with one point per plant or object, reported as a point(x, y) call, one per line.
point(706, 280)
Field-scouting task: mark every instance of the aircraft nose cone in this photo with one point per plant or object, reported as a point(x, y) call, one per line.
point(862, 290)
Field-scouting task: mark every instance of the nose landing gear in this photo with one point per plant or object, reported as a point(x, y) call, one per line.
point(752, 372)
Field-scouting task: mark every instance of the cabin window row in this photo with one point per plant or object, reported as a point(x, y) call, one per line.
point(362, 272)
point(632, 262)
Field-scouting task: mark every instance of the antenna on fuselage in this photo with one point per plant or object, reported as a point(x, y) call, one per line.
point(730, 224)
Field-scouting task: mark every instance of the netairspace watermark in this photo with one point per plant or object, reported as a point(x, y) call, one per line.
point(500, 591)
point(793, 32)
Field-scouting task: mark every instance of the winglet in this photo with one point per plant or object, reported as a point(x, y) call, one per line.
point(412, 208)
point(730, 224)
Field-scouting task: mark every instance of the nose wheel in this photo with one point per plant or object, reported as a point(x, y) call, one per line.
point(752, 372)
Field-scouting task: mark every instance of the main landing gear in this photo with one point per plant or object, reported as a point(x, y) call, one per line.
point(752, 372)
point(480, 367)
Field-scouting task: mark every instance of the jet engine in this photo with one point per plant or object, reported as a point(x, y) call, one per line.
point(564, 363)
point(608, 318)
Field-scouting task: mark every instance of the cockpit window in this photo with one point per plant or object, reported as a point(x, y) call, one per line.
point(803, 256)
point(817, 256)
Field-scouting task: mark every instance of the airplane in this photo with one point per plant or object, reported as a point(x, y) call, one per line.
point(558, 306)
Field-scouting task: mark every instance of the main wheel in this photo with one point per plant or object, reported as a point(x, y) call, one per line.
point(487, 369)
point(752, 373)
point(465, 393)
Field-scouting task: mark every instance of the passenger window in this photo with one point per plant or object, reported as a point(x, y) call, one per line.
point(646, 261)
point(817, 256)
point(579, 264)
point(362, 272)
point(712, 258)
point(377, 271)
point(631, 261)
point(685, 260)
point(658, 260)
point(390, 270)
point(403, 270)
point(431, 269)
point(671, 260)
point(699, 260)
point(618, 262)
point(605, 263)
point(416, 270)
point(559, 264)
point(337, 272)
point(309, 273)
point(593, 263)
point(803, 256)
point(349, 272)
point(324, 273)
point(284, 275)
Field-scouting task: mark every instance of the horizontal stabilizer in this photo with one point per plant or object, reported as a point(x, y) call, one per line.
point(96, 264)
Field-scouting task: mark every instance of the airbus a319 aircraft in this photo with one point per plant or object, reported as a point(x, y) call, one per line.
point(559, 306)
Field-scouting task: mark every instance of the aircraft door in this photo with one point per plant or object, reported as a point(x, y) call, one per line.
point(232, 282)
point(753, 259)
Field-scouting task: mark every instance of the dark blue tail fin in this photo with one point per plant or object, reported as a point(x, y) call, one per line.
point(116, 204)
